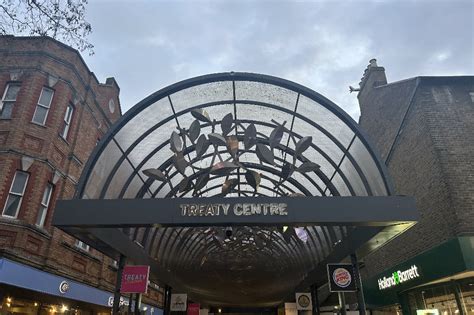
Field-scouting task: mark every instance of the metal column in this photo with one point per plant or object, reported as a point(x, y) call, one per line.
point(314, 298)
point(167, 301)
point(342, 303)
point(138, 302)
point(457, 296)
point(118, 282)
point(358, 281)
point(130, 302)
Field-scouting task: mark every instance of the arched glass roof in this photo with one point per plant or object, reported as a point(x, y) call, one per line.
point(153, 151)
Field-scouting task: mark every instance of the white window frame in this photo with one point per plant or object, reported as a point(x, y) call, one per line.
point(16, 194)
point(82, 245)
point(47, 107)
point(67, 121)
point(44, 206)
point(4, 100)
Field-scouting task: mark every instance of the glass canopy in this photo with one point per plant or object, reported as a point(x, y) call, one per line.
point(272, 137)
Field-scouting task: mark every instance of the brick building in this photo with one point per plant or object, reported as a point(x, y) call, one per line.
point(53, 113)
point(423, 128)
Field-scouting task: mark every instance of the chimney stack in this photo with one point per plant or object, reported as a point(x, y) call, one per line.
point(373, 76)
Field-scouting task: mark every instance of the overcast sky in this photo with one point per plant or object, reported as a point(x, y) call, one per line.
point(325, 45)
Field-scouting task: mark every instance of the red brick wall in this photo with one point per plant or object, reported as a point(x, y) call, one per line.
point(49, 248)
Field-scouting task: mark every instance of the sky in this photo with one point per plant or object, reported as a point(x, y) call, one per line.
point(324, 45)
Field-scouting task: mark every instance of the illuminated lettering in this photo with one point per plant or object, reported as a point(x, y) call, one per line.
point(239, 209)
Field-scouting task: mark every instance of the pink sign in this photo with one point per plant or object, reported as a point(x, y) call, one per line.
point(135, 279)
point(193, 308)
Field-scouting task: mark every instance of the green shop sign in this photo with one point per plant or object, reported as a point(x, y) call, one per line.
point(398, 277)
point(447, 259)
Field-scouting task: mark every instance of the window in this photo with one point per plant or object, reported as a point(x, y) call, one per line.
point(15, 195)
point(67, 121)
point(42, 108)
point(8, 100)
point(82, 245)
point(43, 210)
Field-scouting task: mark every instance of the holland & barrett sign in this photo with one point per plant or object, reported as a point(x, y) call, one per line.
point(398, 277)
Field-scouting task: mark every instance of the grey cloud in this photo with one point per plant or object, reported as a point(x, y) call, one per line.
point(324, 45)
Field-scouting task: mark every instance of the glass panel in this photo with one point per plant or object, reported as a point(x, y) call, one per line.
point(262, 114)
point(353, 177)
point(326, 119)
point(46, 195)
point(154, 139)
point(119, 179)
point(368, 167)
point(318, 181)
point(440, 298)
point(302, 180)
point(65, 130)
point(40, 115)
point(144, 120)
point(19, 183)
point(266, 93)
point(341, 187)
point(69, 111)
point(321, 140)
point(200, 94)
point(45, 97)
point(12, 92)
point(215, 112)
point(104, 164)
point(12, 205)
point(7, 110)
point(134, 187)
point(41, 216)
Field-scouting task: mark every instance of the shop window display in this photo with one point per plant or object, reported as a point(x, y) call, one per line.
point(444, 299)
point(12, 305)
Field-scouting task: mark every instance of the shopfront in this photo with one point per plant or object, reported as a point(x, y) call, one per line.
point(438, 281)
point(27, 290)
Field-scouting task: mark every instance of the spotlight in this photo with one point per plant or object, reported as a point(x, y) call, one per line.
point(228, 232)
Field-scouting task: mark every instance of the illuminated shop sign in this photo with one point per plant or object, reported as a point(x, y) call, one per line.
point(398, 277)
point(239, 209)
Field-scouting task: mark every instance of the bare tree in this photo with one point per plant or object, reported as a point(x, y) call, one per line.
point(60, 19)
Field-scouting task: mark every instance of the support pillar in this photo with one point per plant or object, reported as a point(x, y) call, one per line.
point(138, 302)
point(118, 282)
point(167, 301)
point(457, 296)
point(358, 281)
point(314, 299)
point(342, 303)
point(130, 302)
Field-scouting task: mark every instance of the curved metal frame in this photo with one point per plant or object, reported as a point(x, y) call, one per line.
point(166, 243)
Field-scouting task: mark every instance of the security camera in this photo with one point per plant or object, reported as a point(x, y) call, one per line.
point(228, 232)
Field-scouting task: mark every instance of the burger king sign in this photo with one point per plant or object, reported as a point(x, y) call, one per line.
point(341, 278)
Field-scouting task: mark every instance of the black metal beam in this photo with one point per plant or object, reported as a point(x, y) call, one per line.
point(301, 211)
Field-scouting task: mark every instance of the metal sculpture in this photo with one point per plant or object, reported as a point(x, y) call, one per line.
point(226, 151)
